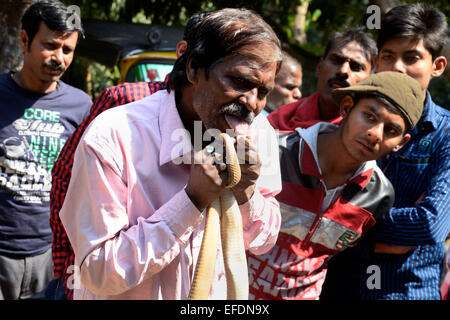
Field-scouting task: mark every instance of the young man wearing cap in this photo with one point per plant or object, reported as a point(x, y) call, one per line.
point(407, 245)
point(327, 205)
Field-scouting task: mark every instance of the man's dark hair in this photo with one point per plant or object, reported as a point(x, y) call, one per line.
point(419, 21)
point(193, 22)
point(224, 33)
point(54, 14)
point(364, 39)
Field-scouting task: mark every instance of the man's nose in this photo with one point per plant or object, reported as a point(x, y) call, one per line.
point(399, 66)
point(250, 100)
point(344, 69)
point(297, 94)
point(375, 134)
point(58, 55)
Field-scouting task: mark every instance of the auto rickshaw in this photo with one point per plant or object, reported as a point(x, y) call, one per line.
point(143, 52)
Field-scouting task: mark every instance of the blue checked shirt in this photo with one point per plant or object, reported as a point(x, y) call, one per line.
point(421, 167)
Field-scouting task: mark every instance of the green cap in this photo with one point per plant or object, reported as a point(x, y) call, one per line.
point(402, 91)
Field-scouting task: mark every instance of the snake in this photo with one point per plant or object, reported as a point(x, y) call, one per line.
point(229, 223)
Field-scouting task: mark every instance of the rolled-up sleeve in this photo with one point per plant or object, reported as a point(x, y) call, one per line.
point(261, 215)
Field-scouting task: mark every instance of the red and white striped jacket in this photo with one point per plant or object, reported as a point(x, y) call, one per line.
point(316, 223)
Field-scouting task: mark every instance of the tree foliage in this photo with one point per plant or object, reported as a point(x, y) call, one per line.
point(322, 18)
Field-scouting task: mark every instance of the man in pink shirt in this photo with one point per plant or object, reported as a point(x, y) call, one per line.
point(135, 207)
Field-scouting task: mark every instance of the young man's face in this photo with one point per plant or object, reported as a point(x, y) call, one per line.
point(370, 130)
point(49, 55)
point(237, 85)
point(344, 65)
point(409, 56)
point(288, 84)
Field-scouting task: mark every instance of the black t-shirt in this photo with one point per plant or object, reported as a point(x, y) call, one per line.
point(33, 130)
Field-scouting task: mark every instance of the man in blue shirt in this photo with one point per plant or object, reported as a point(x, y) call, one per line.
point(39, 112)
point(402, 256)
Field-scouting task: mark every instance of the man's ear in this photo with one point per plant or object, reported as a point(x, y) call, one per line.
point(192, 71)
point(181, 48)
point(375, 62)
point(319, 66)
point(439, 65)
point(346, 105)
point(23, 41)
point(405, 139)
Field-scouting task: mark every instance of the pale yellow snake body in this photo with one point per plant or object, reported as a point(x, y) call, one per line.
point(231, 234)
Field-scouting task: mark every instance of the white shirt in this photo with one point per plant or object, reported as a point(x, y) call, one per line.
point(134, 230)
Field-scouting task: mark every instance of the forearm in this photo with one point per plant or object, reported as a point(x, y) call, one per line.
point(381, 247)
point(426, 223)
point(135, 254)
point(261, 222)
point(115, 251)
point(424, 218)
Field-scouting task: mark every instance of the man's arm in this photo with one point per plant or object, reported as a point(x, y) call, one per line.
point(115, 256)
point(426, 222)
point(261, 214)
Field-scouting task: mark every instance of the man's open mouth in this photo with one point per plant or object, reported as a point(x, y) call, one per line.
point(240, 126)
point(335, 84)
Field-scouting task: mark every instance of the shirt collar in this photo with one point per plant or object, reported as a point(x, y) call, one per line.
point(428, 115)
point(175, 139)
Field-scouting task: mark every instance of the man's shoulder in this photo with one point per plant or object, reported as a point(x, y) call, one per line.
point(295, 114)
point(292, 107)
point(6, 83)
point(133, 91)
point(74, 93)
point(437, 112)
point(142, 109)
point(375, 192)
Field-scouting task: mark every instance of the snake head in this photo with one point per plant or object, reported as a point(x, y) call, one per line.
point(232, 161)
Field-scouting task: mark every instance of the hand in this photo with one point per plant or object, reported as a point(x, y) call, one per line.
point(250, 169)
point(381, 247)
point(205, 182)
point(420, 199)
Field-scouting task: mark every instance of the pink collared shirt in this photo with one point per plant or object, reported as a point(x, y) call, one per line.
point(134, 230)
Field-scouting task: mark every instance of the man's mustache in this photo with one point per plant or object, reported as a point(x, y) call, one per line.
point(238, 110)
point(340, 80)
point(55, 65)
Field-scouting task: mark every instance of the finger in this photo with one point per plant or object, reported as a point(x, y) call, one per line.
point(247, 152)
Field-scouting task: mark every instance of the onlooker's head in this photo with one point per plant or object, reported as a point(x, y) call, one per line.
point(348, 59)
point(410, 41)
point(288, 84)
point(378, 114)
point(54, 14)
point(228, 68)
point(49, 35)
point(224, 33)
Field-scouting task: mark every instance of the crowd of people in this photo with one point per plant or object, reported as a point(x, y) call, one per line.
point(98, 201)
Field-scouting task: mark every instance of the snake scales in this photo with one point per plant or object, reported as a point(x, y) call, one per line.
point(231, 234)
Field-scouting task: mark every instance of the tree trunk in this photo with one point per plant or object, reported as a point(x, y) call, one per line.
point(11, 12)
point(300, 21)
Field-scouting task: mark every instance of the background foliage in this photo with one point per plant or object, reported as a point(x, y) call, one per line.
point(306, 42)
